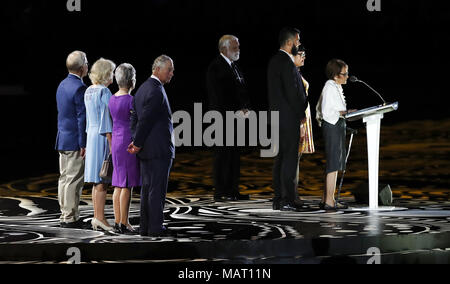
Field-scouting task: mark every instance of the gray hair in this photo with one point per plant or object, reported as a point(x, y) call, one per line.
point(160, 62)
point(75, 60)
point(125, 75)
point(224, 42)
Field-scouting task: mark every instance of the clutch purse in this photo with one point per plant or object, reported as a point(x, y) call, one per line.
point(107, 168)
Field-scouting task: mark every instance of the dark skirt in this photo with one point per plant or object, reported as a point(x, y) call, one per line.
point(335, 150)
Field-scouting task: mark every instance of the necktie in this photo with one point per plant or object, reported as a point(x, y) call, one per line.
point(236, 72)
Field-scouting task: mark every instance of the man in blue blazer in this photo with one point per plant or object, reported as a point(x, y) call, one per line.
point(153, 142)
point(71, 138)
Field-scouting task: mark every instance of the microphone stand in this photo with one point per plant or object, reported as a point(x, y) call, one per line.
point(354, 79)
point(353, 132)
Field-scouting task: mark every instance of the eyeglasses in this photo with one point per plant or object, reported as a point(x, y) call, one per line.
point(302, 54)
point(344, 74)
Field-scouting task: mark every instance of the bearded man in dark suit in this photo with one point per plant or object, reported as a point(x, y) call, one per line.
point(227, 92)
point(287, 96)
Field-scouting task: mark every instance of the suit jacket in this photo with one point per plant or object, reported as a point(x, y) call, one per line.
point(225, 91)
point(71, 114)
point(286, 91)
point(151, 122)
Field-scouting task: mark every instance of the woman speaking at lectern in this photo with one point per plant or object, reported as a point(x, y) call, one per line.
point(330, 111)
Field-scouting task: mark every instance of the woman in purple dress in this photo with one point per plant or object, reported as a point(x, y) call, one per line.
point(126, 166)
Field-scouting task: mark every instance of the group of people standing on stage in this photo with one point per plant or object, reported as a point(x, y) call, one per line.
point(288, 95)
point(137, 132)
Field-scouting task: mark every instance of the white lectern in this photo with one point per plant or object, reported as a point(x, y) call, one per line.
point(372, 118)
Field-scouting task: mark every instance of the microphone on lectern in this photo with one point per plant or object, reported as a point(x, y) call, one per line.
point(353, 79)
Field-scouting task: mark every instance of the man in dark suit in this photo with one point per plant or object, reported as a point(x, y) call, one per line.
point(287, 96)
point(71, 138)
point(153, 142)
point(227, 92)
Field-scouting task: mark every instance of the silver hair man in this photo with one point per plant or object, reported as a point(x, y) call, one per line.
point(160, 62)
point(163, 68)
point(229, 46)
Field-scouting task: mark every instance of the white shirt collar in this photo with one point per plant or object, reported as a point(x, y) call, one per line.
point(292, 57)
point(226, 58)
point(341, 90)
point(154, 77)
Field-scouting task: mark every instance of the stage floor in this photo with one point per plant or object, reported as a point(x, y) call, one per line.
point(413, 161)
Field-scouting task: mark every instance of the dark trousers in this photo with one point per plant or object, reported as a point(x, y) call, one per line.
point(155, 178)
point(227, 167)
point(286, 168)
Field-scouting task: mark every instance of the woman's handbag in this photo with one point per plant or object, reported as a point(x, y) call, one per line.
point(107, 168)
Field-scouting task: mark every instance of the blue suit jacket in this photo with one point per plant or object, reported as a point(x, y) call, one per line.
point(151, 122)
point(71, 114)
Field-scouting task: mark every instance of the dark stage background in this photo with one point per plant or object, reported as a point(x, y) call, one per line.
point(401, 51)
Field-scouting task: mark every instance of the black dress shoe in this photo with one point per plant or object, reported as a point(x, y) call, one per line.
point(300, 205)
point(276, 206)
point(162, 234)
point(276, 203)
point(289, 207)
point(76, 225)
point(239, 196)
point(224, 198)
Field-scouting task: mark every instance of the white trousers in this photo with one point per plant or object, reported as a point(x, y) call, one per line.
point(70, 185)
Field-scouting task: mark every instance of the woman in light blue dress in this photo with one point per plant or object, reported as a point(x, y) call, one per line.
point(98, 128)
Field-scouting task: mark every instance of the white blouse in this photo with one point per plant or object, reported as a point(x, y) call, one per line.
point(331, 102)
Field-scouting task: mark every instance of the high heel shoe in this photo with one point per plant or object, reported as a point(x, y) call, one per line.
point(97, 223)
point(326, 207)
point(127, 230)
point(341, 205)
point(337, 206)
point(117, 228)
